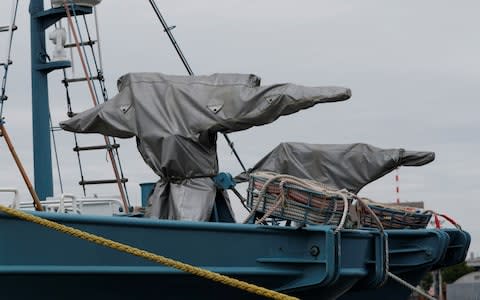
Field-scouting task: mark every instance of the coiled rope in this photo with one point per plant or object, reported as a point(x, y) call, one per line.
point(242, 285)
point(284, 179)
point(272, 177)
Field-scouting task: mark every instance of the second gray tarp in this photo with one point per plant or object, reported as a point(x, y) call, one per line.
point(347, 166)
point(176, 120)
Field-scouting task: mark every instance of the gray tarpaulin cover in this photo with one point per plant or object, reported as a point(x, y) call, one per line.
point(176, 120)
point(349, 166)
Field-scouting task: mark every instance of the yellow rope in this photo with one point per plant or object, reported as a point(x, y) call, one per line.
point(251, 288)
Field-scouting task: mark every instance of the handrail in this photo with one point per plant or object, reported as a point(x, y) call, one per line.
point(61, 207)
point(15, 197)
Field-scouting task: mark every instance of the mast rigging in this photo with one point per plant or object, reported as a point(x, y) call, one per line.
point(168, 31)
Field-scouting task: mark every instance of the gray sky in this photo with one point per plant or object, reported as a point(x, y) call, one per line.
point(413, 67)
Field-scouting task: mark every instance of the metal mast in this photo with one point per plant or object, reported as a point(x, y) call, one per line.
point(40, 20)
point(168, 30)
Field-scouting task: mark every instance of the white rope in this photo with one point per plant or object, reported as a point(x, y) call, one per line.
point(390, 274)
point(345, 212)
point(411, 287)
point(343, 194)
point(362, 202)
point(280, 200)
point(260, 195)
point(301, 182)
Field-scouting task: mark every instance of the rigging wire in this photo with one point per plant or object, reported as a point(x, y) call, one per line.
point(6, 63)
point(92, 94)
point(85, 56)
point(3, 131)
point(168, 31)
point(70, 114)
point(99, 70)
point(55, 151)
point(101, 82)
point(69, 108)
point(52, 131)
point(97, 31)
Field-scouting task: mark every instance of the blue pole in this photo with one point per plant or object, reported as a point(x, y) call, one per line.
point(42, 159)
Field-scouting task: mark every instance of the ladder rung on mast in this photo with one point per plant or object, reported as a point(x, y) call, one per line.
point(102, 181)
point(7, 28)
point(99, 147)
point(79, 79)
point(3, 63)
point(86, 43)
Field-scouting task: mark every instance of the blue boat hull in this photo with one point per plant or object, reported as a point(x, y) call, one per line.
point(54, 265)
point(412, 253)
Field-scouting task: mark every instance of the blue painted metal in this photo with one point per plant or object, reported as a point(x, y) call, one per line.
point(412, 253)
point(224, 181)
point(145, 191)
point(280, 258)
point(311, 262)
point(457, 249)
point(360, 257)
point(376, 262)
point(40, 20)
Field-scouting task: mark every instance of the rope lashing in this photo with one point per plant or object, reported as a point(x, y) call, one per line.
point(437, 220)
point(285, 179)
point(387, 260)
point(411, 287)
point(235, 283)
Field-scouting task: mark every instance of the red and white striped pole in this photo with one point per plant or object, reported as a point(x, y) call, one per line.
point(397, 182)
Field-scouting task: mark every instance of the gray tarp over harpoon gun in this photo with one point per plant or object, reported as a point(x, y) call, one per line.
point(347, 166)
point(176, 120)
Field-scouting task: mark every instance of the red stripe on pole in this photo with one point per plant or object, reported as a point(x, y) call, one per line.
point(397, 188)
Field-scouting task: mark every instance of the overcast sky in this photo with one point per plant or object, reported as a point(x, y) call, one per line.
point(413, 67)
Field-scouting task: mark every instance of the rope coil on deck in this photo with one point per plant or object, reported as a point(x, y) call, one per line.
point(281, 198)
point(248, 287)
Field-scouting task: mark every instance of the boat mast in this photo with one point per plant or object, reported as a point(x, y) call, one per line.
point(168, 30)
point(42, 160)
point(40, 20)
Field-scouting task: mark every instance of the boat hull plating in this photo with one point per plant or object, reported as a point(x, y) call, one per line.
point(55, 265)
point(412, 253)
